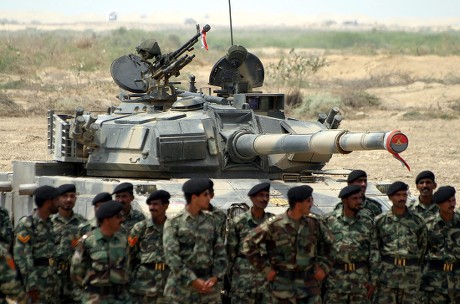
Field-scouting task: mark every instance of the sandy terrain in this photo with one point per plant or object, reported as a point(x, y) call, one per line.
point(429, 88)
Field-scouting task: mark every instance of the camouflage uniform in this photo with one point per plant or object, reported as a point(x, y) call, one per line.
point(416, 206)
point(357, 258)
point(293, 249)
point(133, 217)
point(147, 264)
point(441, 275)
point(6, 228)
point(369, 207)
point(35, 253)
point(221, 220)
point(100, 265)
point(86, 227)
point(10, 286)
point(66, 232)
point(402, 245)
point(248, 285)
point(193, 249)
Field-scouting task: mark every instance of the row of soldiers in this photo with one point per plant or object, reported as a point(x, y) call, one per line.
point(355, 254)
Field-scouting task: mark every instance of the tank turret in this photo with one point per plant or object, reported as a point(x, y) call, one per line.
point(160, 135)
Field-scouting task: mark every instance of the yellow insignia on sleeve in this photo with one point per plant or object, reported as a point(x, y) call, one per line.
point(24, 239)
point(132, 241)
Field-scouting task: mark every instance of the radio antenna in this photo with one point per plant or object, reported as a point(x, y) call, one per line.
point(231, 26)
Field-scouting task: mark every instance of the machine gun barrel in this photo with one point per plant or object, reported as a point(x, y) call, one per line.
point(322, 142)
point(190, 43)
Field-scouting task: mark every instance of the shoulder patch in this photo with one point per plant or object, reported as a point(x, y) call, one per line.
point(23, 238)
point(10, 262)
point(132, 241)
point(74, 242)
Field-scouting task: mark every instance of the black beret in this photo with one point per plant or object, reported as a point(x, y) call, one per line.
point(211, 184)
point(424, 174)
point(109, 209)
point(66, 188)
point(397, 186)
point(443, 194)
point(299, 193)
point(258, 188)
point(355, 174)
point(196, 185)
point(101, 197)
point(123, 187)
point(158, 195)
point(44, 193)
point(349, 190)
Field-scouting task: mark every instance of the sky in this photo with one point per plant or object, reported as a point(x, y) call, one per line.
point(275, 11)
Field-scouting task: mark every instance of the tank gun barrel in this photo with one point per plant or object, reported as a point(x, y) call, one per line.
point(322, 142)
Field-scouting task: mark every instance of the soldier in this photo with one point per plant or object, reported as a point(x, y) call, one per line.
point(299, 251)
point(10, 285)
point(369, 206)
point(100, 262)
point(424, 205)
point(35, 248)
point(248, 285)
point(402, 240)
point(90, 225)
point(441, 274)
point(146, 257)
point(193, 249)
point(125, 195)
point(65, 225)
point(354, 276)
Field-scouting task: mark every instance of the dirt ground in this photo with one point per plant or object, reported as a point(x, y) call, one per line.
point(433, 140)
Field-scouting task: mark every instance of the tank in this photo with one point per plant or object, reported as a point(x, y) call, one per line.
point(159, 136)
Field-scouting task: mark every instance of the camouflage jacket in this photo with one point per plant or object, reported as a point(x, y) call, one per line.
point(9, 283)
point(6, 228)
point(193, 248)
point(369, 207)
point(66, 232)
point(146, 259)
point(355, 242)
point(100, 261)
point(35, 239)
point(133, 217)
point(403, 237)
point(425, 211)
point(244, 278)
point(290, 246)
point(221, 220)
point(443, 247)
point(86, 227)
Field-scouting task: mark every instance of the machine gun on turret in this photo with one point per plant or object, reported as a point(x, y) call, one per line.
point(149, 80)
